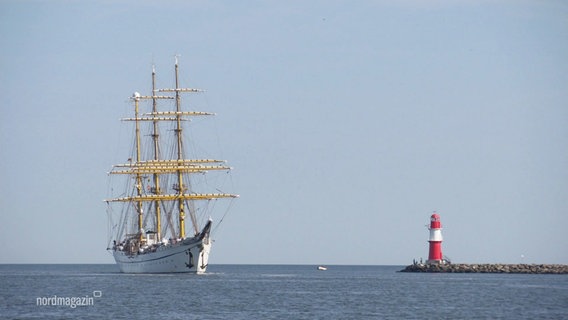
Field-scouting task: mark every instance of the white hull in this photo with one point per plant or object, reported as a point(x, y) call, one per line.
point(188, 256)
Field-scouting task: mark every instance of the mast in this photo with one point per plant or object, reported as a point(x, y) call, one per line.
point(181, 187)
point(183, 199)
point(180, 157)
point(155, 137)
point(138, 205)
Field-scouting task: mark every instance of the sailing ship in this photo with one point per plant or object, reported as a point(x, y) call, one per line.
point(148, 231)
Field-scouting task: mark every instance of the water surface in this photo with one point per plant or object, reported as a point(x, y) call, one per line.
point(276, 292)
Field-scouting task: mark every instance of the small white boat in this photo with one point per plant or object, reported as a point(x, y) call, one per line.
point(322, 268)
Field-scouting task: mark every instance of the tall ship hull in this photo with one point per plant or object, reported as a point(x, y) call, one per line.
point(184, 258)
point(160, 217)
point(188, 256)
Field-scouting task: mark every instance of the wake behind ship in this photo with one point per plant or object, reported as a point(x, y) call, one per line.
point(163, 190)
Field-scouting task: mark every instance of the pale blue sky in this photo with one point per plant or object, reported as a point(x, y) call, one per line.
point(347, 122)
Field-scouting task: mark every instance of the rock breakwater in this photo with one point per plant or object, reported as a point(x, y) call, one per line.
point(489, 268)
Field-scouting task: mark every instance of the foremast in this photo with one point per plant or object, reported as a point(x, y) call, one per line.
point(157, 166)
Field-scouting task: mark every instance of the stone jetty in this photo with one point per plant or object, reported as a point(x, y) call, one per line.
point(488, 268)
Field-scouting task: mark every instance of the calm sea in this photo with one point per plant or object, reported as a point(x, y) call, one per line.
point(276, 292)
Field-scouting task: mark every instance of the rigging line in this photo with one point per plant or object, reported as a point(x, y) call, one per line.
point(215, 129)
point(201, 212)
point(123, 222)
point(207, 209)
point(231, 203)
point(147, 216)
point(119, 142)
point(167, 215)
point(190, 205)
point(110, 223)
point(170, 223)
point(119, 139)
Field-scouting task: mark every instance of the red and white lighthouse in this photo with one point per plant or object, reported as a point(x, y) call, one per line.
point(435, 252)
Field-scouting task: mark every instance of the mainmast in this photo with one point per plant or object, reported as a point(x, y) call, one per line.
point(155, 137)
point(136, 98)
